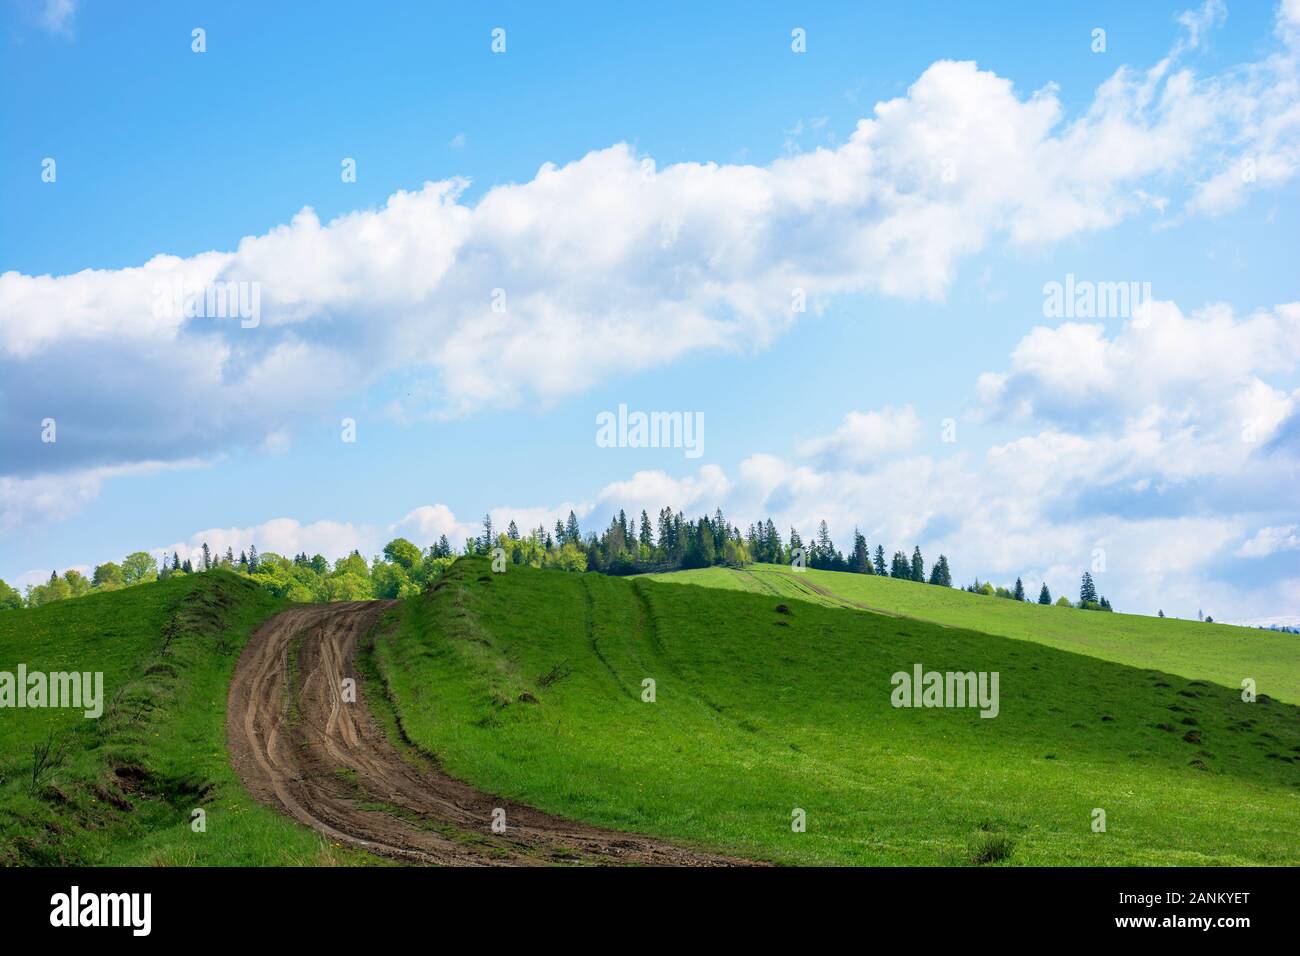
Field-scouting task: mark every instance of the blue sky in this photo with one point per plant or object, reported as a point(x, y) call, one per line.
point(663, 292)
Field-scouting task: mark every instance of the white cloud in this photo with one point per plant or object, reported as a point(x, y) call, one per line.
point(652, 490)
point(611, 266)
point(1270, 541)
point(44, 498)
point(1162, 371)
point(864, 438)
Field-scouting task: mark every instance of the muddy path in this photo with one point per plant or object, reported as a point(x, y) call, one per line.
point(299, 747)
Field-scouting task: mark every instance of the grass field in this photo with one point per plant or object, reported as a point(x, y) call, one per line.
point(530, 684)
point(1215, 652)
point(125, 790)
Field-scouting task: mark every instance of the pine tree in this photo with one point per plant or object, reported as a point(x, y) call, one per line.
point(900, 567)
point(252, 557)
point(823, 552)
point(207, 557)
point(1087, 591)
point(860, 563)
point(880, 559)
point(1044, 595)
point(1019, 592)
point(918, 565)
point(940, 573)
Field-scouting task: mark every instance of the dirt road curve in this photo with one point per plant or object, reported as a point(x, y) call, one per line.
point(301, 749)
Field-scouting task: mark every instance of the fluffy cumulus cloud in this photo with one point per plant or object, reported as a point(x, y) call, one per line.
point(865, 437)
point(1268, 541)
point(610, 264)
point(37, 499)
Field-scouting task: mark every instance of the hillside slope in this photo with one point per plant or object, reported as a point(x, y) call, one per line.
point(1219, 653)
point(127, 783)
point(530, 684)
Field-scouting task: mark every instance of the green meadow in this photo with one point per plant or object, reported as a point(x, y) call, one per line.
point(121, 789)
point(532, 683)
point(1219, 653)
point(716, 716)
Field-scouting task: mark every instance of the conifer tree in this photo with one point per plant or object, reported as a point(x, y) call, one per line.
point(860, 563)
point(1087, 591)
point(940, 574)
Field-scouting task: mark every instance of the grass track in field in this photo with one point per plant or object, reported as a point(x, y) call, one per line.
point(131, 779)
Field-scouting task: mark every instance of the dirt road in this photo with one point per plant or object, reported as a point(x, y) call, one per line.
point(299, 747)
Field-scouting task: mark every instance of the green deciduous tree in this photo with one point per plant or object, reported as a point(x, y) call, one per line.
point(138, 567)
point(403, 553)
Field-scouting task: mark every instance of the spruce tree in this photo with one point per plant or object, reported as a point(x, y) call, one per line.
point(1019, 593)
point(1044, 595)
point(900, 567)
point(940, 574)
point(880, 559)
point(918, 565)
point(1087, 591)
point(861, 560)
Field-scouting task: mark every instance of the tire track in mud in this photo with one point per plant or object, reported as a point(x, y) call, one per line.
point(300, 748)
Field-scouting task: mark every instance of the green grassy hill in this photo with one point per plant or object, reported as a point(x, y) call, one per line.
point(1214, 652)
point(529, 683)
point(124, 790)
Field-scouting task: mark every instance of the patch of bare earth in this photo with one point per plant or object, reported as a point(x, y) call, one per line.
point(300, 748)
